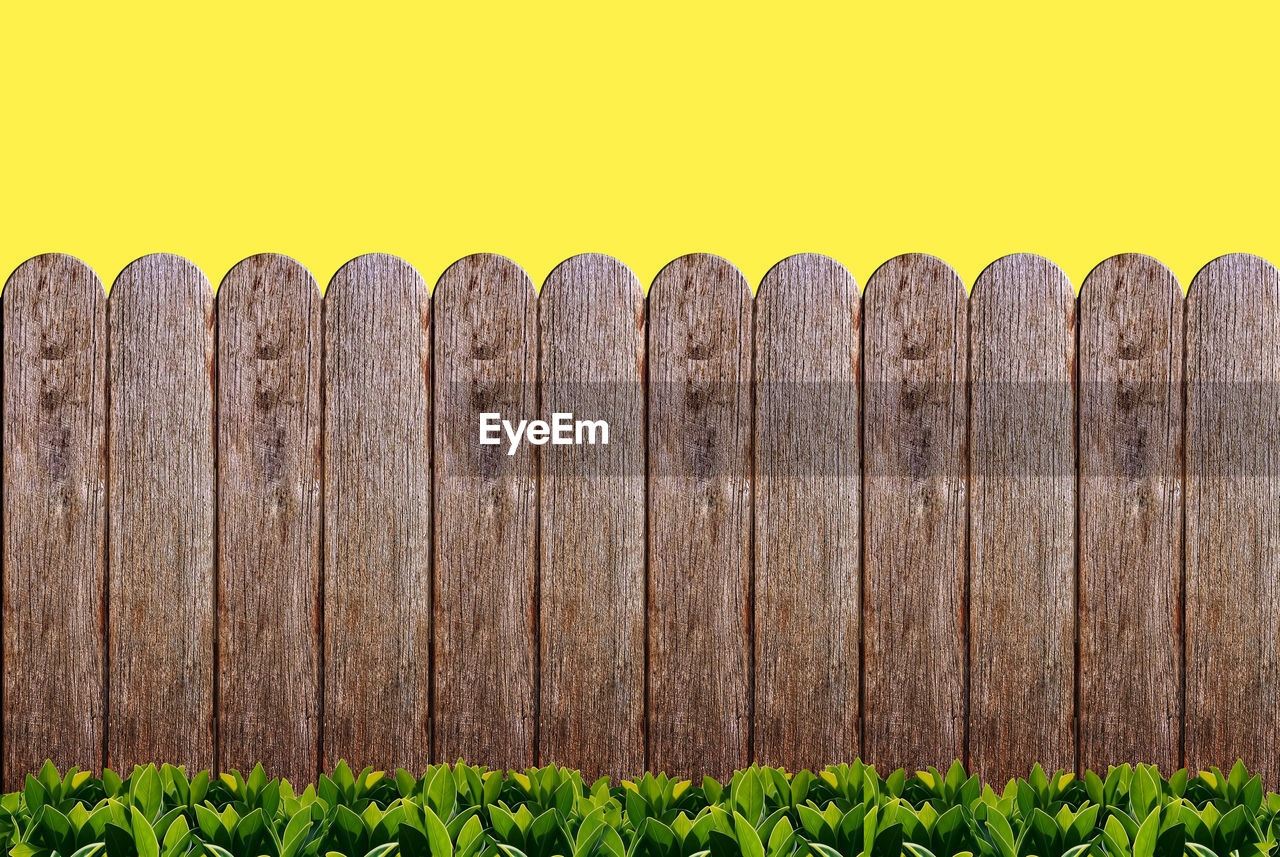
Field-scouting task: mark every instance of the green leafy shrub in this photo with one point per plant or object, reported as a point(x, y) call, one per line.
point(467, 811)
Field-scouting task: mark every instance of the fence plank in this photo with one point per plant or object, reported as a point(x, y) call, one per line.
point(1023, 514)
point(160, 515)
point(1130, 598)
point(1233, 533)
point(269, 518)
point(700, 316)
point(916, 510)
point(54, 515)
point(485, 330)
point(592, 316)
point(377, 516)
point(807, 487)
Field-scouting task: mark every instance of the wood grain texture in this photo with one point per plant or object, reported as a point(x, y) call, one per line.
point(486, 350)
point(807, 505)
point(160, 516)
point(269, 341)
point(377, 516)
point(592, 319)
point(1233, 532)
point(1022, 333)
point(916, 414)
point(55, 349)
point(700, 342)
point(1130, 593)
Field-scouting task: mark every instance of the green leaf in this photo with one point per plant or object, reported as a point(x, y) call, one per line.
point(35, 795)
point(413, 842)
point(437, 835)
point(748, 840)
point(144, 837)
point(750, 798)
point(1144, 844)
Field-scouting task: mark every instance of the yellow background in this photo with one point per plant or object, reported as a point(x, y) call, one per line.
point(538, 130)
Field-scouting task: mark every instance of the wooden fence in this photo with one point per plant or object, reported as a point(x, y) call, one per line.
point(909, 525)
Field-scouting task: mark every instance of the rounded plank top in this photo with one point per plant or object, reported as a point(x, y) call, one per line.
point(55, 351)
point(269, 477)
point(592, 364)
point(161, 515)
point(1233, 536)
point(1130, 590)
point(700, 417)
point(485, 347)
point(916, 413)
point(1022, 329)
point(377, 516)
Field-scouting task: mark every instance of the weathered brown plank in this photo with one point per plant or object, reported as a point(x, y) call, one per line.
point(54, 532)
point(269, 518)
point(1023, 518)
point(485, 330)
point(1233, 532)
point(592, 317)
point(377, 516)
point(700, 336)
point(1130, 592)
point(916, 408)
point(807, 502)
point(160, 515)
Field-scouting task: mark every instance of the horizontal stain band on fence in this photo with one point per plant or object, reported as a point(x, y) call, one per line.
point(910, 524)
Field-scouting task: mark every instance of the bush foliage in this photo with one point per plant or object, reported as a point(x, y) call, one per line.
point(465, 811)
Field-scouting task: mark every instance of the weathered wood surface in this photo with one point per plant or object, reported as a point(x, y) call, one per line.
point(269, 341)
point(916, 415)
point(1022, 328)
point(1130, 590)
point(219, 543)
point(592, 335)
point(55, 348)
point(700, 343)
point(807, 487)
point(1233, 527)
point(377, 516)
point(160, 452)
point(485, 325)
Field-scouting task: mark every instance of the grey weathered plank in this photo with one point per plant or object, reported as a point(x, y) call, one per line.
point(1233, 532)
point(54, 532)
point(1130, 591)
point(485, 359)
point(700, 336)
point(807, 503)
point(160, 451)
point(1022, 518)
point(916, 414)
point(269, 518)
point(592, 318)
point(377, 516)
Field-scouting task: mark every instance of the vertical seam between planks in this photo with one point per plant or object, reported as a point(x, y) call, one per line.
point(752, 683)
point(645, 737)
point(1182, 535)
point(535, 738)
point(1075, 565)
point(433, 751)
point(966, 634)
point(860, 740)
point(106, 534)
point(4, 570)
point(321, 440)
point(433, 566)
point(215, 719)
